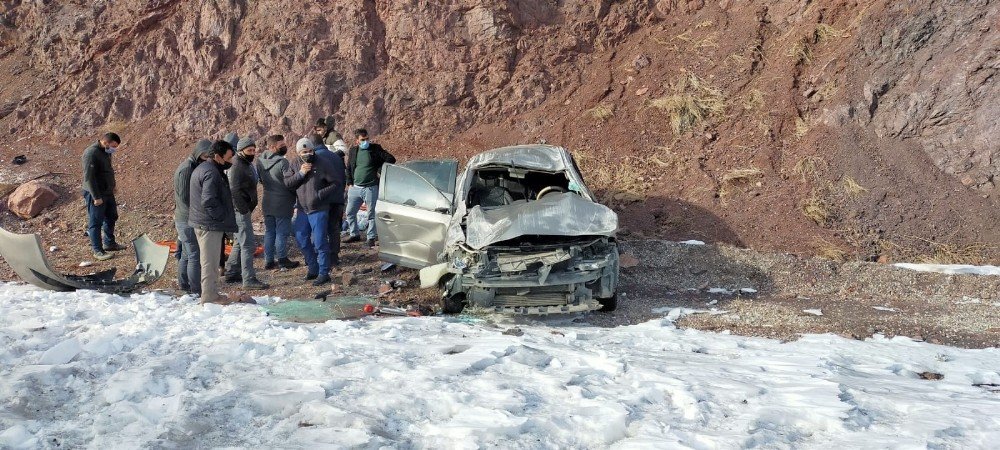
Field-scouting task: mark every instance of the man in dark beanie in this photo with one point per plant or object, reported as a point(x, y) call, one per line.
point(243, 179)
point(99, 195)
point(189, 266)
point(212, 215)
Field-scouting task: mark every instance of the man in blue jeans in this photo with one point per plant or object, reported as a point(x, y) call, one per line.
point(99, 195)
point(315, 181)
point(189, 266)
point(364, 166)
point(277, 204)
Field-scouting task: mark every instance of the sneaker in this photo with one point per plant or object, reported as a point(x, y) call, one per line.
point(102, 256)
point(352, 239)
point(370, 243)
point(270, 265)
point(234, 278)
point(310, 276)
point(254, 283)
point(286, 263)
point(114, 247)
point(323, 279)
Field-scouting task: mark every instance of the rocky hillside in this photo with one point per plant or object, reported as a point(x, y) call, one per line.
point(847, 128)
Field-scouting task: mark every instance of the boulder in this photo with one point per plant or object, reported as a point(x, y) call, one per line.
point(31, 198)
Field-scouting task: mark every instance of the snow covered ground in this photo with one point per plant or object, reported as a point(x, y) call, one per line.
point(953, 269)
point(100, 371)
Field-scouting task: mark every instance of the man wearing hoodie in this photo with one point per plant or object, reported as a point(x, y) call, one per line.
point(315, 182)
point(364, 166)
point(212, 215)
point(243, 179)
point(277, 203)
point(99, 195)
point(189, 266)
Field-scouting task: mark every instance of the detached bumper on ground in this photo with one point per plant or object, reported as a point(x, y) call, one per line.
point(23, 252)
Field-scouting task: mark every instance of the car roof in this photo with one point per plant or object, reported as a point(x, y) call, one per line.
point(532, 156)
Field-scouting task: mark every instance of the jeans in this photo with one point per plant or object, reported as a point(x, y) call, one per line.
point(101, 218)
point(334, 225)
point(311, 235)
point(210, 243)
point(276, 232)
point(189, 265)
point(243, 249)
point(355, 195)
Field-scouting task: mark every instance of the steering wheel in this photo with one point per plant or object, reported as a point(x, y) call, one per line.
point(549, 189)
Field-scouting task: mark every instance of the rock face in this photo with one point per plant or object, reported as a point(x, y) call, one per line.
point(31, 198)
point(878, 119)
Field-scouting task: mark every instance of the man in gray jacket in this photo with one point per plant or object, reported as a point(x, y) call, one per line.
point(189, 266)
point(277, 203)
point(212, 215)
point(99, 195)
point(243, 179)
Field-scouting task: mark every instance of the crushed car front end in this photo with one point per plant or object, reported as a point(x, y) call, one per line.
point(542, 275)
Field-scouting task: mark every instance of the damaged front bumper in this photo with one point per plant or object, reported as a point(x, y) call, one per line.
point(24, 254)
point(538, 279)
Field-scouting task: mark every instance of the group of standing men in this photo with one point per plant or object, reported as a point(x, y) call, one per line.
point(215, 192)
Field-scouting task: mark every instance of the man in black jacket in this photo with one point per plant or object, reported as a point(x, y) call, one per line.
point(189, 265)
point(315, 181)
point(99, 195)
point(243, 179)
point(364, 166)
point(212, 215)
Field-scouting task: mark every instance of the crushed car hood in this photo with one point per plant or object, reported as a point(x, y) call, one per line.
point(564, 214)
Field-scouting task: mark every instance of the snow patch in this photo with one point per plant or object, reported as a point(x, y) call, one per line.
point(692, 242)
point(953, 269)
point(815, 312)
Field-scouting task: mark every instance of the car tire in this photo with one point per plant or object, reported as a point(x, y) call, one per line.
point(453, 304)
point(608, 304)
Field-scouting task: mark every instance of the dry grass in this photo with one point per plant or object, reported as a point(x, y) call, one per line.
point(737, 179)
point(704, 24)
point(827, 90)
point(601, 112)
point(801, 127)
point(664, 157)
point(825, 33)
point(852, 188)
point(809, 167)
point(693, 101)
point(614, 181)
point(817, 209)
point(942, 253)
point(829, 250)
point(753, 100)
point(800, 52)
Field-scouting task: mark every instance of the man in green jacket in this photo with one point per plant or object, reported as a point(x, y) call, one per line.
point(364, 166)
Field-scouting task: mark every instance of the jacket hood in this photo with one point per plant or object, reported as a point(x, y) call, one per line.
point(202, 147)
point(269, 159)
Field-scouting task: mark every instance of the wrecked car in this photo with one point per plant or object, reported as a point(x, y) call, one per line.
point(518, 232)
point(24, 254)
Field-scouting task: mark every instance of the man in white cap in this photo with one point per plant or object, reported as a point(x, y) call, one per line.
point(243, 179)
point(316, 183)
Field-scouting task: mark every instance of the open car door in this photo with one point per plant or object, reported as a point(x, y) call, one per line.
point(415, 204)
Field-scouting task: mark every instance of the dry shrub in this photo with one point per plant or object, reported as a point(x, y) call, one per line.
point(817, 209)
point(801, 52)
point(753, 100)
point(692, 102)
point(809, 167)
point(827, 90)
point(737, 179)
point(829, 250)
point(825, 33)
point(852, 188)
point(601, 112)
point(801, 127)
point(614, 181)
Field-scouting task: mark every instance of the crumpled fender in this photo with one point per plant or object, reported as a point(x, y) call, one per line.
point(431, 275)
point(24, 254)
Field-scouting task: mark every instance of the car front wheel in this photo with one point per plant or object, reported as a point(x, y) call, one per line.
point(608, 304)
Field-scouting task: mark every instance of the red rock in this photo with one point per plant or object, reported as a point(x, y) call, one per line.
point(31, 198)
point(347, 279)
point(626, 261)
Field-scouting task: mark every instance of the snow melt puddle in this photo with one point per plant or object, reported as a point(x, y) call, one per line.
point(92, 370)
